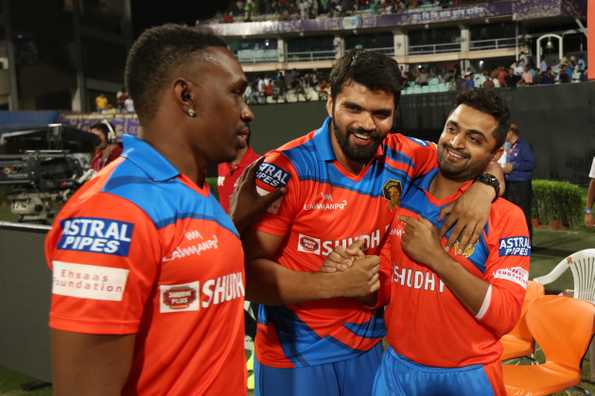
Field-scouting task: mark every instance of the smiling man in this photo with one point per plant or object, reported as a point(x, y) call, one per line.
point(449, 308)
point(343, 183)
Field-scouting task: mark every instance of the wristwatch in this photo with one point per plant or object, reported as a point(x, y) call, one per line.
point(490, 180)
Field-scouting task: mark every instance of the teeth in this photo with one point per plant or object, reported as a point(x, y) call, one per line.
point(363, 137)
point(452, 153)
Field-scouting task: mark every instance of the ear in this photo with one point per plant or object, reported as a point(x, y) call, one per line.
point(329, 106)
point(183, 93)
point(498, 154)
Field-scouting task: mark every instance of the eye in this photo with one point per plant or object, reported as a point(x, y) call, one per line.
point(474, 139)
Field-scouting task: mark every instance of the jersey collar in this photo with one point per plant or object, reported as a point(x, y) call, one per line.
point(324, 147)
point(151, 161)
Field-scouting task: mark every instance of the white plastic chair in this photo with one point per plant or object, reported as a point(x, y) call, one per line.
point(582, 265)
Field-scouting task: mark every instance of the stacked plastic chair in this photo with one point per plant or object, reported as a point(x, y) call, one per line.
point(563, 328)
point(519, 343)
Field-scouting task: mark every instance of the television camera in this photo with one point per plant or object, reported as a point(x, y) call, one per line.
point(42, 166)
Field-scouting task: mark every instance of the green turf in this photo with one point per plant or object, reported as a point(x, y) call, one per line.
point(549, 247)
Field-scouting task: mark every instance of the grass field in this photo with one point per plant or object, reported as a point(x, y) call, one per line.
point(549, 248)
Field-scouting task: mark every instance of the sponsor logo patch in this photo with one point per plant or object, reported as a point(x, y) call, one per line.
point(179, 298)
point(392, 191)
point(514, 246)
point(87, 281)
point(272, 175)
point(308, 244)
point(96, 235)
point(517, 275)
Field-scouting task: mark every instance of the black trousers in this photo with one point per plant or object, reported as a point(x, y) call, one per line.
point(521, 194)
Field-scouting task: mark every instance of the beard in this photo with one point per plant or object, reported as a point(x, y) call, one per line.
point(466, 170)
point(354, 153)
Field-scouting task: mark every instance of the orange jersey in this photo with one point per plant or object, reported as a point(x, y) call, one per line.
point(426, 322)
point(140, 249)
point(325, 207)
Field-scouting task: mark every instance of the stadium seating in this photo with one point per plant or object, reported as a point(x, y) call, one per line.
point(519, 342)
point(563, 327)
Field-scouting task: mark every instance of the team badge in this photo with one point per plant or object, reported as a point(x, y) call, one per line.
point(392, 191)
point(467, 252)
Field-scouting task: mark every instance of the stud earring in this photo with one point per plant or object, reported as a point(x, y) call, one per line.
point(191, 113)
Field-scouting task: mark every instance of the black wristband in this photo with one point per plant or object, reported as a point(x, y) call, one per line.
point(490, 180)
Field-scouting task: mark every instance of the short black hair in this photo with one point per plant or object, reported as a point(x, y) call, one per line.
point(155, 55)
point(487, 101)
point(373, 70)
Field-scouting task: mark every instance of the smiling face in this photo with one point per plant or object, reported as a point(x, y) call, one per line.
point(221, 108)
point(361, 120)
point(467, 143)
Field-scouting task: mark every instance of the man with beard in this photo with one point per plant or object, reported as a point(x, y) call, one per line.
point(449, 308)
point(313, 337)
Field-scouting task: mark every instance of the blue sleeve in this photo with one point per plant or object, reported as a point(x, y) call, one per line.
point(525, 161)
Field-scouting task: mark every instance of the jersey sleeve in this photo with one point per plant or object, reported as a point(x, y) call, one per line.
point(507, 271)
point(276, 172)
point(104, 256)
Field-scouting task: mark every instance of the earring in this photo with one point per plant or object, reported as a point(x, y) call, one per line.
point(191, 113)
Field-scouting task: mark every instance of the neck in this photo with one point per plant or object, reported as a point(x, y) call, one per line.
point(240, 155)
point(177, 151)
point(514, 139)
point(441, 187)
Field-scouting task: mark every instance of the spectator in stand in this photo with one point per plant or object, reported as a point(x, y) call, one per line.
point(121, 97)
point(590, 197)
point(108, 149)
point(547, 77)
point(422, 76)
point(518, 172)
point(526, 77)
point(101, 103)
point(129, 105)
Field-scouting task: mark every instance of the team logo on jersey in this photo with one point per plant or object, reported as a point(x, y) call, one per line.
point(96, 235)
point(308, 244)
point(392, 191)
point(179, 297)
point(467, 252)
point(514, 246)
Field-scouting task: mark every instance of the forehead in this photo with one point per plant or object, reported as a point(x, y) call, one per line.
point(360, 94)
point(218, 63)
point(469, 118)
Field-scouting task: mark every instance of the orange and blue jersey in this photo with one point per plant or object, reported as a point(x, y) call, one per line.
point(326, 206)
point(427, 324)
point(141, 249)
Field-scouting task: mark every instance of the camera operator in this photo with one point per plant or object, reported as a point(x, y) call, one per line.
point(108, 149)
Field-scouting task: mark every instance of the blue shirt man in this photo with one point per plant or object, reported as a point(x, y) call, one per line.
point(518, 172)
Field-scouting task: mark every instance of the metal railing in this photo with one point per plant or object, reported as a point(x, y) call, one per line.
point(434, 48)
point(388, 51)
point(257, 56)
point(508, 42)
point(310, 56)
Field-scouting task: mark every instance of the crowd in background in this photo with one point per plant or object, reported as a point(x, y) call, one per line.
point(252, 10)
point(289, 86)
point(309, 85)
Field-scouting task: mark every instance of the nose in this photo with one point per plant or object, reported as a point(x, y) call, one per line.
point(458, 140)
point(367, 122)
point(246, 113)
